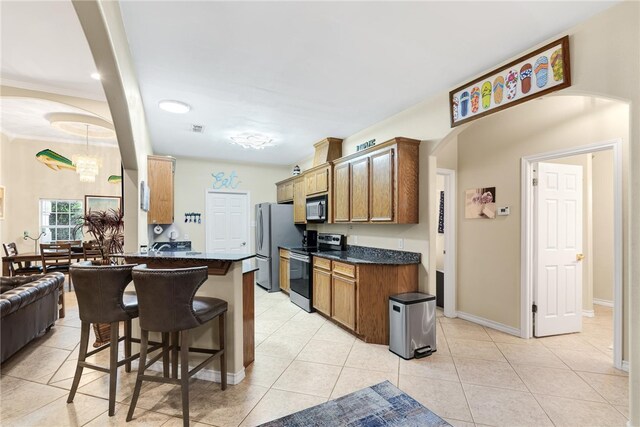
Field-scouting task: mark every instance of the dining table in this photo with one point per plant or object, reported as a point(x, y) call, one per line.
point(28, 257)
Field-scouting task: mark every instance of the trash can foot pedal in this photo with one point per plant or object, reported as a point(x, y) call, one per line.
point(423, 352)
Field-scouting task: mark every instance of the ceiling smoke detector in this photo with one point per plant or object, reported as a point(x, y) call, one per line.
point(197, 128)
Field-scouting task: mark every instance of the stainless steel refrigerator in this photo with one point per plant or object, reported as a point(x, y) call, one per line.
point(274, 228)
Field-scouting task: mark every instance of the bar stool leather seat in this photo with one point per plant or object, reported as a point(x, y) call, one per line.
point(207, 308)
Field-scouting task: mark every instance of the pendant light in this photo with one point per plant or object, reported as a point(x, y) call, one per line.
point(87, 166)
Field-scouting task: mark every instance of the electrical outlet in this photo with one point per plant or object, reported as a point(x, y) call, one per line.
point(354, 239)
point(400, 243)
point(503, 211)
point(186, 236)
point(25, 234)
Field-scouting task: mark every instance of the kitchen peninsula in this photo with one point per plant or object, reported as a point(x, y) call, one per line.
point(231, 279)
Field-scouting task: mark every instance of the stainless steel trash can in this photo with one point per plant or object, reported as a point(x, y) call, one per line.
point(412, 324)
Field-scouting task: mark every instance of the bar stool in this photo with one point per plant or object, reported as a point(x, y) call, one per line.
point(168, 304)
point(101, 299)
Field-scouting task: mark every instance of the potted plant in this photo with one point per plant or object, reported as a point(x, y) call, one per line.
point(107, 229)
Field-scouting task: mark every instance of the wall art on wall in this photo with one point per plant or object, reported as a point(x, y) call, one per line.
point(114, 179)
point(220, 180)
point(540, 72)
point(480, 203)
point(101, 203)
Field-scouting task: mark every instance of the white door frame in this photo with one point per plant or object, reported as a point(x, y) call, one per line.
point(527, 239)
point(449, 240)
point(248, 194)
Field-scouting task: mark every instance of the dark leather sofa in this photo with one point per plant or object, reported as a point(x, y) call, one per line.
point(28, 306)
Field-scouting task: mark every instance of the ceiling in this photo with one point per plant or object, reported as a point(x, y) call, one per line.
point(294, 71)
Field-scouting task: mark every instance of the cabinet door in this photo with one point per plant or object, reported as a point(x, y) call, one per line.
point(310, 183)
point(284, 274)
point(280, 192)
point(322, 181)
point(360, 189)
point(288, 191)
point(341, 192)
point(343, 297)
point(382, 183)
point(299, 201)
point(322, 291)
point(160, 174)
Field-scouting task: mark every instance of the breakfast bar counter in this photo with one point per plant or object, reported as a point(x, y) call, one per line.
point(230, 279)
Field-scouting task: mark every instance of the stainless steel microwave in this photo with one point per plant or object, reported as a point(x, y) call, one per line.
point(317, 209)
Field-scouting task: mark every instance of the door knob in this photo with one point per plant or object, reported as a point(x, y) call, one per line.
point(579, 257)
point(244, 244)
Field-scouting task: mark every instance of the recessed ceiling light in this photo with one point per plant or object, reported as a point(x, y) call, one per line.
point(95, 76)
point(172, 106)
point(252, 140)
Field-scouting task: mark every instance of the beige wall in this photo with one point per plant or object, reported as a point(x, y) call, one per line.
point(192, 180)
point(27, 181)
point(3, 159)
point(603, 259)
point(489, 154)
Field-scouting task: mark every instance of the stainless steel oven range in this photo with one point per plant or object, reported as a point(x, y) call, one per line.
point(301, 268)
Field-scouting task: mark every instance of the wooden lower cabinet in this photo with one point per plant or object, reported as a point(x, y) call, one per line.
point(322, 291)
point(344, 301)
point(284, 270)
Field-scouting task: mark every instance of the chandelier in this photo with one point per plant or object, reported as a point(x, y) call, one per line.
point(87, 166)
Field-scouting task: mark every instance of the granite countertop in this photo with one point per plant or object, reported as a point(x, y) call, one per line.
point(190, 255)
point(366, 255)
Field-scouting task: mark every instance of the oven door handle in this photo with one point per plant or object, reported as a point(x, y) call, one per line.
point(297, 257)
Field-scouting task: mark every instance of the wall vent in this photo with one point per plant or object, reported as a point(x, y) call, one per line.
point(197, 128)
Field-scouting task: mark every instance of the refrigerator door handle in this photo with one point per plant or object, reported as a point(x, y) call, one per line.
point(259, 228)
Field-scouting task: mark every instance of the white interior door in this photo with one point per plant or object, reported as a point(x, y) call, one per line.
point(558, 241)
point(227, 222)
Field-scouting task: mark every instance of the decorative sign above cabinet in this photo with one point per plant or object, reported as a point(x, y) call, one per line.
point(368, 144)
point(540, 72)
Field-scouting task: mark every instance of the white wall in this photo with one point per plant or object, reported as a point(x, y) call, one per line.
point(603, 260)
point(193, 178)
point(27, 181)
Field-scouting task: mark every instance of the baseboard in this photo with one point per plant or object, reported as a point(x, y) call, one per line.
point(208, 374)
point(603, 302)
point(489, 323)
point(588, 313)
point(625, 365)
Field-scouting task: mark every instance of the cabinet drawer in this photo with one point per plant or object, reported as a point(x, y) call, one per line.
point(348, 270)
point(322, 263)
point(284, 253)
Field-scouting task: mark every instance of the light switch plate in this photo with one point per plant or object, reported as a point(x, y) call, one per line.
point(400, 243)
point(503, 211)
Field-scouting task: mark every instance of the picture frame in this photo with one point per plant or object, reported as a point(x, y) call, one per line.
point(545, 70)
point(101, 203)
point(2, 201)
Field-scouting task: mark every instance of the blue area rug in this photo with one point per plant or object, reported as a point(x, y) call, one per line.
point(378, 405)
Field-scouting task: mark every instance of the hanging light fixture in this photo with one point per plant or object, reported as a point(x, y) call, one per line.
point(87, 167)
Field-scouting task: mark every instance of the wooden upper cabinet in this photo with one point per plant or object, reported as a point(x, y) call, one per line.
point(341, 193)
point(299, 201)
point(382, 185)
point(317, 180)
point(160, 171)
point(359, 200)
point(285, 190)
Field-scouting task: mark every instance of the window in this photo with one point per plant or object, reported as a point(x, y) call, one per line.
point(58, 218)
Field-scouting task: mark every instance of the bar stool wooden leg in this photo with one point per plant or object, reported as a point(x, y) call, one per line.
point(175, 343)
point(184, 375)
point(127, 344)
point(113, 366)
point(223, 356)
point(144, 341)
point(61, 312)
point(165, 354)
point(82, 355)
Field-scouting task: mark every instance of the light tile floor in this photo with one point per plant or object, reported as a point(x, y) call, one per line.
point(479, 376)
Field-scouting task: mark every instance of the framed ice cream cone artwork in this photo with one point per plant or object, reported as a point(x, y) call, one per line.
point(542, 71)
point(480, 203)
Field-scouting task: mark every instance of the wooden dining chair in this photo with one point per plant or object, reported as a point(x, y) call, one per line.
point(16, 268)
point(56, 257)
point(91, 250)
